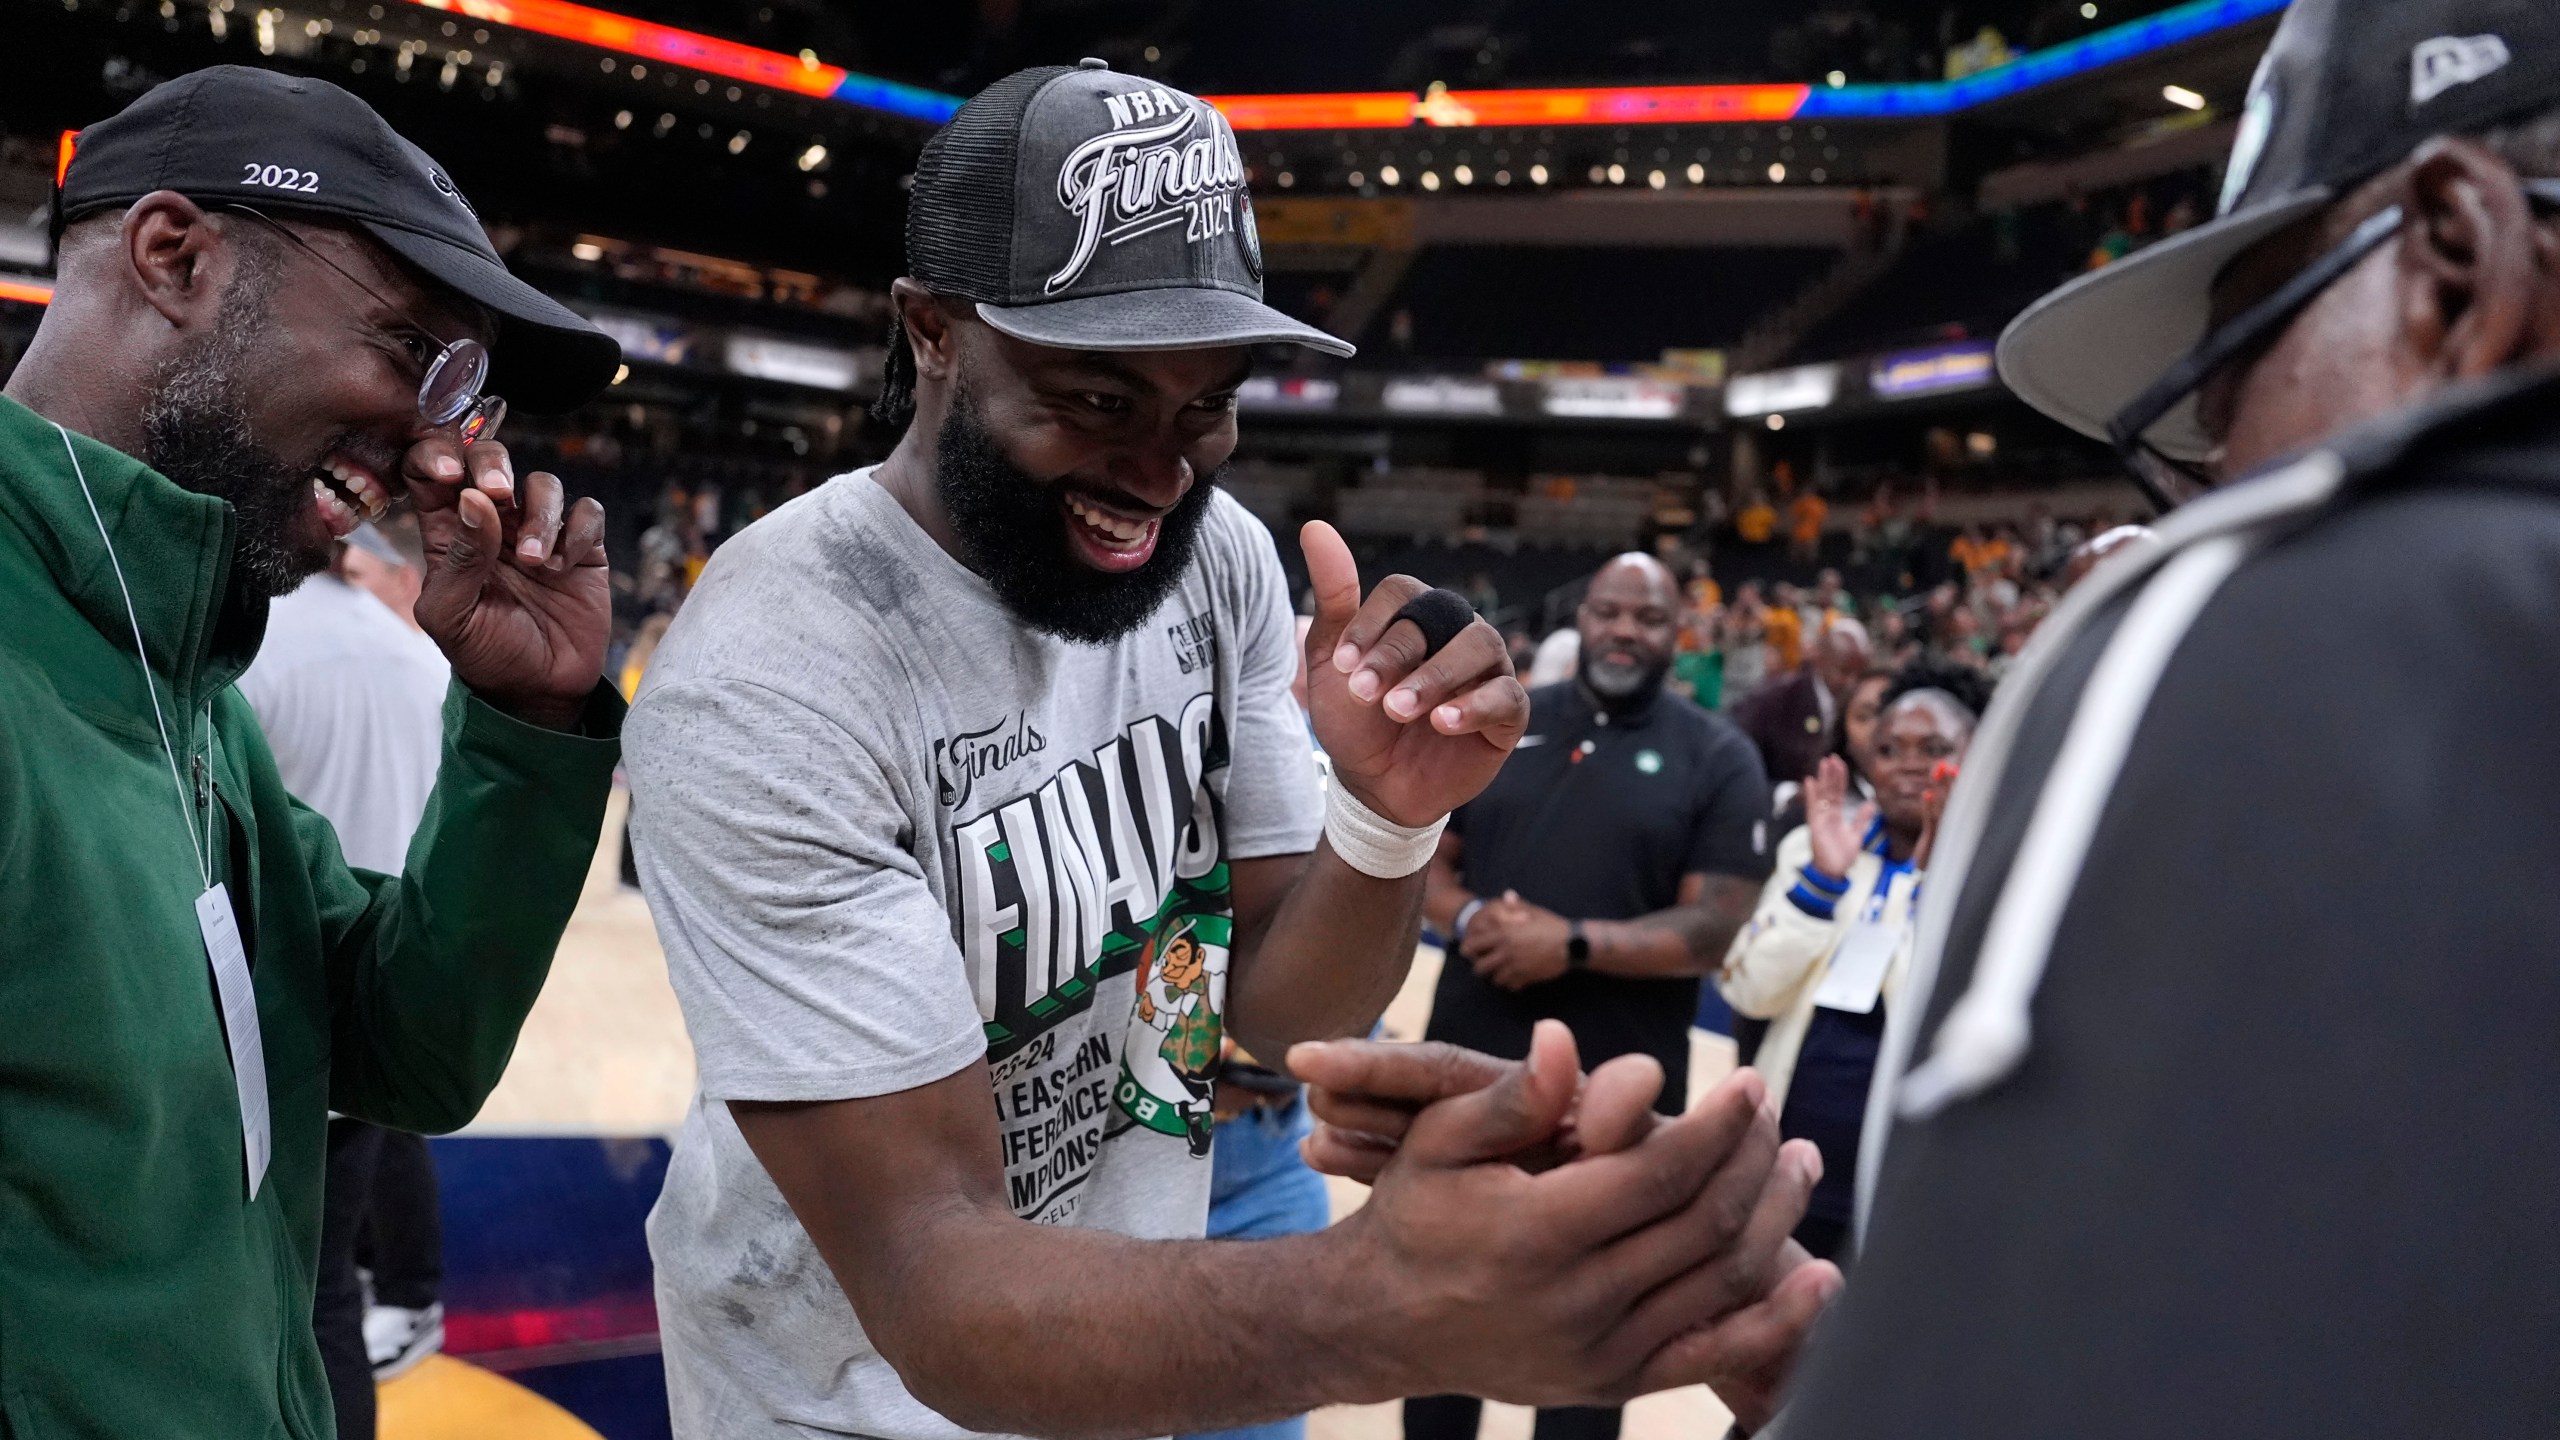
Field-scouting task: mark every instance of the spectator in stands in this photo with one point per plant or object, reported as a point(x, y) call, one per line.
point(1825, 952)
point(1601, 873)
point(1979, 555)
point(1786, 627)
point(1961, 640)
point(1806, 515)
point(1794, 717)
point(1892, 637)
point(1757, 522)
point(1830, 597)
point(351, 695)
point(1480, 593)
point(1557, 658)
point(1697, 663)
point(1744, 640)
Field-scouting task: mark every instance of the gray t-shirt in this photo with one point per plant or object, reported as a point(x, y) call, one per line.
point(886, 830)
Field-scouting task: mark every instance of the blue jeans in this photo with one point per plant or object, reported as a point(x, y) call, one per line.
point(1259, 1188)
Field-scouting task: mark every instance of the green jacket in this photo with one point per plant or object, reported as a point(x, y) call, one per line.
point(142, 1293)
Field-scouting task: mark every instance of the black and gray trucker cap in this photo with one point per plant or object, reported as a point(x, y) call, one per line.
point(2348, 89)
point(291, 145)
point(1091, 210)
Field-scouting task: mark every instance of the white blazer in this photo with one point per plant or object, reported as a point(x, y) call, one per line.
point(1776, 964)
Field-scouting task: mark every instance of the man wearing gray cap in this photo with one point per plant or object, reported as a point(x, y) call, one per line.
point(271, 314)
point(974, 811)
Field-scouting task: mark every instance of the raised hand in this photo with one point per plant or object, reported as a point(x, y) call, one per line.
point(1412, 739)
point(1836, 829)
point(516, 593)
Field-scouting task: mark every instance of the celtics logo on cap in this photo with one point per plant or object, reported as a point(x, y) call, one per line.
point(1252, 236)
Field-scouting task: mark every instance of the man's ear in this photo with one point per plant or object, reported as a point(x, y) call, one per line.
point(2471, 252)
point(930, 332)
point(178, 258)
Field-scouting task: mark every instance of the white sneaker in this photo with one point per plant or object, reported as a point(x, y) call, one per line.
point(396, 1339)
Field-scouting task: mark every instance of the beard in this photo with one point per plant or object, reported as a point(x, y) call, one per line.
point(1013, 533)
point(196, 431)
point(1613, 680)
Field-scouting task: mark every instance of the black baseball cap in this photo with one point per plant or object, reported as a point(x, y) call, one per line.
point(1092, 210)
point(2348, 89)
point(293, 145)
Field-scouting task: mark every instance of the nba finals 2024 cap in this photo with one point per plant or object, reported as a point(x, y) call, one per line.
point(1089, 210)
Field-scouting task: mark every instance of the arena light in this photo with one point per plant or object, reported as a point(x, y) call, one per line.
point(1806, 387)
point(26, 292)
point(1620, 105)
point(1613, 397)
point(1712, 104)
point(1441, 395)
point(804, 74)
point(800, 74)
point(792, 362)
point(1965, 365)
point(1391, 110)
point(2182, 97)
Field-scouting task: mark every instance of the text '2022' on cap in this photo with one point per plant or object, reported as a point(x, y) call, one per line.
point(2348, 89)
point(291, 145)
point(1090, 210)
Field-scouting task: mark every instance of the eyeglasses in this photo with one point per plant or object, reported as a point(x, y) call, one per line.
point(2167, 480)
point(449, 391)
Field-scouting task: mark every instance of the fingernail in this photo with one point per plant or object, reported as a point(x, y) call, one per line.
point(1448, 717)
point(1346, 657)
point(1403, 704)
point(1364, 686)
point(530, 548)
point(445, 467)
point(469, 520)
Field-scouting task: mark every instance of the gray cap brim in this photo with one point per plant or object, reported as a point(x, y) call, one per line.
point(1172, 319)
point(2089, 349)
point(547, 359)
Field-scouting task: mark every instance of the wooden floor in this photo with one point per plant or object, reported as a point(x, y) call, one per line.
point(605, 1053)
point(446, 1399)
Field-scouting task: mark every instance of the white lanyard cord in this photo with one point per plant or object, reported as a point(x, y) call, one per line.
point(186, 812)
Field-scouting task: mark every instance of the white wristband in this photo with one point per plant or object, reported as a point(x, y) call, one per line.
point(1373, 844)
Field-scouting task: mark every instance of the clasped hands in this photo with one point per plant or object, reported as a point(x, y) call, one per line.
point(1572, 1245)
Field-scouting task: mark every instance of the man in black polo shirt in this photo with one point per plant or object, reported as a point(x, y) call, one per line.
point(1604, 870)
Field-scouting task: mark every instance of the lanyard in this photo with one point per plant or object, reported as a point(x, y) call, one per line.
point(1893, 870)
point(204, 848)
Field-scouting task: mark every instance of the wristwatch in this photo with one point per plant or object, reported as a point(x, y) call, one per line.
point(1577, 948)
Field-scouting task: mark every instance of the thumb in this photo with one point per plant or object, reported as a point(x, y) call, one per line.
point(1335, 577)
point(452, 586)
point(1523, 1108)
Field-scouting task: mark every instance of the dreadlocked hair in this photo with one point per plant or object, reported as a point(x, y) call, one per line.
point(897, 403)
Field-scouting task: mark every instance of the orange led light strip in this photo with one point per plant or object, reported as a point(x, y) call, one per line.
point(26, 292)
point(646, 41)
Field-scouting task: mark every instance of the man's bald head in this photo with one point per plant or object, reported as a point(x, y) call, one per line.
point(1629, 621)
point(1840, 656)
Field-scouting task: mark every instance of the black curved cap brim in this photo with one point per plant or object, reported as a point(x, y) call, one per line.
point(1188, 318)
point(547, 358)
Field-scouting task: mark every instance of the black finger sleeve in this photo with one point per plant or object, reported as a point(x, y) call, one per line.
point(1440, 615)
